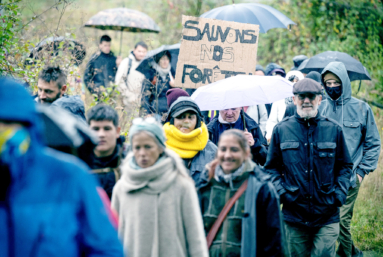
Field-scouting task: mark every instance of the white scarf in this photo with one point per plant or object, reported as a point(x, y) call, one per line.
point(161, 71)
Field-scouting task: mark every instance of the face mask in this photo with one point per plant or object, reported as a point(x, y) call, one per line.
point(334, 92)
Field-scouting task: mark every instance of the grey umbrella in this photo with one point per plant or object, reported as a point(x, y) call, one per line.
point(123, 19)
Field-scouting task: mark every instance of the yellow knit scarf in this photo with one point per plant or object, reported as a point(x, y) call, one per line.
point(186, 145)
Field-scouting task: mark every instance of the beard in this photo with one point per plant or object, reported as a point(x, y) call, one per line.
point(50, 100)
point(307, 114)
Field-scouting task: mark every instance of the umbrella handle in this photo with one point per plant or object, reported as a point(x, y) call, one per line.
point(243, 119)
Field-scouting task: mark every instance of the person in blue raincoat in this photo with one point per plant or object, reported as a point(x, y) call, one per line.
point(49, 205)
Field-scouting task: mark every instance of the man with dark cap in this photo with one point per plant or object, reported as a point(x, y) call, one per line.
point(310, 167)
point(292, 108)
point(362, 138)
point(298, 61)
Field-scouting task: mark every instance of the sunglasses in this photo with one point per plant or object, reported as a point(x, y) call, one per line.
point(311, 97)
point(140, 120)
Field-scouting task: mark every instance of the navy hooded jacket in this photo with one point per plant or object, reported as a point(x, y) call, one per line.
point(50, 206)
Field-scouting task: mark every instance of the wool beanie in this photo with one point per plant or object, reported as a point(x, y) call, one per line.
point(173, 94)
point(151, 126)
point(315, 76)
point(330, 75)
point(181, 105)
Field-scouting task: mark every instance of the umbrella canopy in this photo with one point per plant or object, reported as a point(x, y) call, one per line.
point(265, 16)
point(174, 51)
point(242, 90)
point(52, 45)
point(62, 129)
point(355, 69)
point(123, 19)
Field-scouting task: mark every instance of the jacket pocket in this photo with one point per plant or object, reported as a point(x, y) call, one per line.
point(290, 152)
point(327, 193)
point(325, 161)
point(292, 193)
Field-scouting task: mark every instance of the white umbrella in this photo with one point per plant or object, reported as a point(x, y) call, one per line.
point(242, 90)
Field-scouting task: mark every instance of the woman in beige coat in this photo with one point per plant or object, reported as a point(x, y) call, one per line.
point(156, 201)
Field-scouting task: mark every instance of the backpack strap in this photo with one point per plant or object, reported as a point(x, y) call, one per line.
point(221, 217)
point(127, 73)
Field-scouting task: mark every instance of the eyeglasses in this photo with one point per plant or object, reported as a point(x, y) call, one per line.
point(329, 83)
point(311, 97)
point(140, 120)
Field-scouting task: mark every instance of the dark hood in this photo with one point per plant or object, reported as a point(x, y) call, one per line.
point(340, 71)
point(73, 104)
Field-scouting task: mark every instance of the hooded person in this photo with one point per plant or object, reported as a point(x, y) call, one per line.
point(156, 200)
point(159, 79)
point(73, 104)
point(279, 107)
point(362, 138)
point(49, 205)
point(188, 136)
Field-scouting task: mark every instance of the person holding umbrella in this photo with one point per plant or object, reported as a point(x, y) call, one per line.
point(159, 79)
point(362, 138)
point(238, 119)
point(187, 134)
point(102, 67)
point(310, 167)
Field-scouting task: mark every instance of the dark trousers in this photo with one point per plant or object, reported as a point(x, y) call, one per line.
point(346, 246)
point(312, 242)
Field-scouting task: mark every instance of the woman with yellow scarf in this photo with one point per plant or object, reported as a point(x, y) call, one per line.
point(187, 135)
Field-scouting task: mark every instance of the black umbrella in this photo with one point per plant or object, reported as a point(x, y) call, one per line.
point(174, 51)
point(52, 45)
point(355, 69)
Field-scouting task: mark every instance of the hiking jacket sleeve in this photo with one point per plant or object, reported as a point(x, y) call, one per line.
point(342, 169)
point(88, 75)
point(371, 146)
point(274, 162)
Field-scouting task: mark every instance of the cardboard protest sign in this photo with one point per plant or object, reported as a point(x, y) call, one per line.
point(212, 50)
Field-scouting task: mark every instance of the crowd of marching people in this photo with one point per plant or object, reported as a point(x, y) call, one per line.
point(185, 182)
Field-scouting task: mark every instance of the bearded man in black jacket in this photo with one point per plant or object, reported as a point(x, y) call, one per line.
point(311, 168)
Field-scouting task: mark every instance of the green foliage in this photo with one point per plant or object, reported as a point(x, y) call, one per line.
point(354, 27)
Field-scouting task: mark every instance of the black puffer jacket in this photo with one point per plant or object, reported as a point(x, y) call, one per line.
point(106, 169)
point(100, 71)
point(311, 169)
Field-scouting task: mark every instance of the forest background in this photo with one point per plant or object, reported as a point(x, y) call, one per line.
point(354, 27)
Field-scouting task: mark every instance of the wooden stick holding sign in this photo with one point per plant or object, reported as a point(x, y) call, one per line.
point(212, 50)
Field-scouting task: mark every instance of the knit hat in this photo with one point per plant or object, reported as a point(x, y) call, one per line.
point(181, 105)
point(173, 94)
point(149, 125)
point(330, 75)
point(314, 75)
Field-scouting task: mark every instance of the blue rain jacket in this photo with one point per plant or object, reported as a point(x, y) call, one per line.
point(51, 206)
